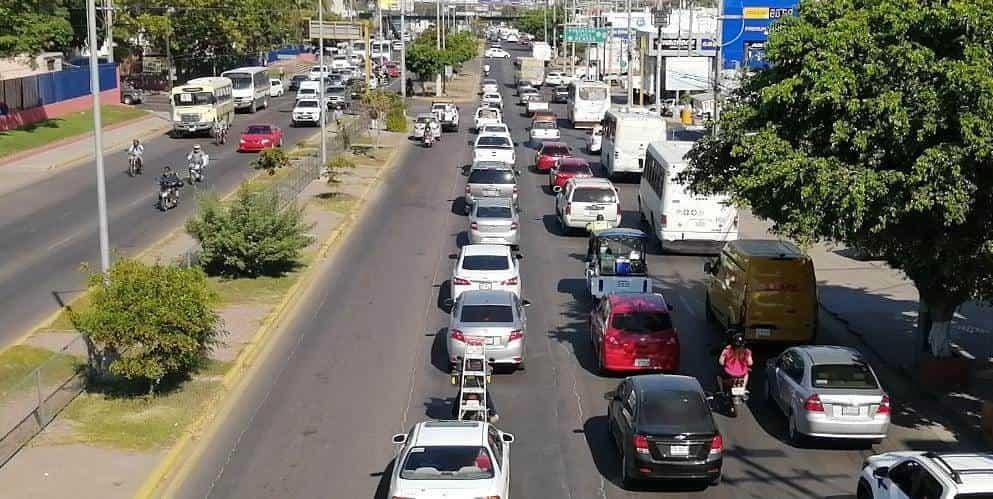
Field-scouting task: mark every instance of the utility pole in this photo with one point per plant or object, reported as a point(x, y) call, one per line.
point(658, 69)
point(544, 20)
point(403, 50)
point(718, 62)
point(110, 30)
point(91, 28)
point(320, 62)
point(437, 37)
point(630, 46)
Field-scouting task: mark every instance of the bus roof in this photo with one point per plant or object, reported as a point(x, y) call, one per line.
point(629, 115)
point(246, 69)
point(670, 151)
point(206, 82)
point(589, 83)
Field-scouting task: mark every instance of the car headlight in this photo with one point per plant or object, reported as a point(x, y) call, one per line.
point(265, 141)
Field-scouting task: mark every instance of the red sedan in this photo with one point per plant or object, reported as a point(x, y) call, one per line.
point(258, 137)
point(393, 70)
point(568, 168)
point(633, 332)
point(548, 153)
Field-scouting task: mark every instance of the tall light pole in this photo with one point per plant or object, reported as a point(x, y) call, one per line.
point(544, 20)
point(320, 62)
point(403, 50)
point(110, 30)
point(91, 29)
point(630, 52)
point(437, 41)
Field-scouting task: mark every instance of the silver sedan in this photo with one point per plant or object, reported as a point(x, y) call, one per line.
point(494, 319)
point(828, 392)
point(494, 221)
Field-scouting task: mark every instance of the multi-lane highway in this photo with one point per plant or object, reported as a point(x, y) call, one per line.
point(364, 357)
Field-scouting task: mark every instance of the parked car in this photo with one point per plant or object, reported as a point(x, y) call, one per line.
point(131, 95)
point(548, 153)
point(306, 111)
point(485, 267)
point(582, 200)
point(494, 221)
point(565, 169)
point(441, 458)
point(392, 70)
point(663, 428)
point(829, 392)
point(295, 81)
point(926, 475)
point(496, 318)
point(276, 88)
point(498, 182)
point(633, 332)
point(258, 137)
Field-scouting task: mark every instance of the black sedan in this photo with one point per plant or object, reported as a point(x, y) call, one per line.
point(663, 429)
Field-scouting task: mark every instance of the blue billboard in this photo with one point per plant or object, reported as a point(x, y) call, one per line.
point(745, 29)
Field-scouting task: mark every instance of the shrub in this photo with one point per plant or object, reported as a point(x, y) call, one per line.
point(271, 160)
point(250, 237)
point(146, 322)
point(396, 121)
point(336, 166)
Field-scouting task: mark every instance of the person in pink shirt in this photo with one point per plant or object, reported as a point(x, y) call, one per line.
point(736, 359)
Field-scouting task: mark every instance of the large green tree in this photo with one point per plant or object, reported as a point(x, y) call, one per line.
point(873, 127)
point(534, 21)
point(33, 26)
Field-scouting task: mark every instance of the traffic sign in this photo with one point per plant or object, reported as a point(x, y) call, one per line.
point(585, 35)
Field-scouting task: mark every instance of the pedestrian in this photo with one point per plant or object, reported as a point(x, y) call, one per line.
point(410, 87)
point(337, 115)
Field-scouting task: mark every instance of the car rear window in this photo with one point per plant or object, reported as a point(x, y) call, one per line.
point(573, 168)
point(593, 195)
point(555, 151)
point(675, 411)
point(493, 141)
point(307, 103)
point(258, 130)
point(493, 212)
point(447, 462)
point(857, 376)
point(546, 125)
point(487, 313)
point(491, 177)
point(642, 322)
point(485, 262)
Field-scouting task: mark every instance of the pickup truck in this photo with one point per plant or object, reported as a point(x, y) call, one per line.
point(494, 148)
point(447, 113)
point(535, 105)
point(487, 116)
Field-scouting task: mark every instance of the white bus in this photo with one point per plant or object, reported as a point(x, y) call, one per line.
point(251, 87)
point(588, 101)
point(626, 135)
point(682, 221)
point(382, 49)
point(358, 48)
point(200, 103)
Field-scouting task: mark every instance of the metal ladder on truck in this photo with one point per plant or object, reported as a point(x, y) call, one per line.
point(472, 379)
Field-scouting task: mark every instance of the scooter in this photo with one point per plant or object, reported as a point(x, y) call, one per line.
point(734, 391)
point(168, 196)
point(134, 164)
point(196, 173)
point(428, 138)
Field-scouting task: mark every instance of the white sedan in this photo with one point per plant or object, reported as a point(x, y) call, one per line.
point(451, 459)
point(486, 266)
point(496, 53)
point(556, 78)
point(276, 87)
point(544, 130)
point(492, 98)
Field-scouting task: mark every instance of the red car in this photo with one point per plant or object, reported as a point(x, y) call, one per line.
point(393, 70)
point(548, 153)
point(634, 332)
point(258, 137)
point(565, 169)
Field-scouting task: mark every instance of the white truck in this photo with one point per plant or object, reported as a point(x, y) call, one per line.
point(447, 113)
point(531, 71)
point(541, 51)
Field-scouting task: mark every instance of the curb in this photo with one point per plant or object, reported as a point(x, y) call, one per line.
point(235, 379)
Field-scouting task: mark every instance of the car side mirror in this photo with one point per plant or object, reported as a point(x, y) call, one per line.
point(557, 189)
point(519, 256)
point(525, 303)
point(453, 256)
point(881, 472)
point(611, 395)
point(507, 438)
point(400, 438)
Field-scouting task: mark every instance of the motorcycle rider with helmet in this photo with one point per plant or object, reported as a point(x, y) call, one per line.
point(735, 360)
point(137, 149)
point(198, 156)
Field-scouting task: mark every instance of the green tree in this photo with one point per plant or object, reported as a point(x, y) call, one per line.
point(425, 61)
point(534, 21)
point(251, 236)
point(872, 127)
point(147, 322)
point(271, 160)
point(33, 26)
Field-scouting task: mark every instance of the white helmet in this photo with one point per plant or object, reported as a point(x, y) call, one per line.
point(196, 147)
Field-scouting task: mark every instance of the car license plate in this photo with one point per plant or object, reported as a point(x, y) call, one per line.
point(642, 362)
point(595, 207)
point(491, 192)
point(485, 285)
point(679, 450)
point(623, 284)
point(763, 332)
point(850, 410)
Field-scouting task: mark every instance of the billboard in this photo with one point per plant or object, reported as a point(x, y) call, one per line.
point(745, 30)
point(688, 73)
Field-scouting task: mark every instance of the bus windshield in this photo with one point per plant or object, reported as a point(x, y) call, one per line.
point(240, 81)
point(193, 99)
point(592, 93)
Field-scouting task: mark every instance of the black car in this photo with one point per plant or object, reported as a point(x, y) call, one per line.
point(663, 429)
point(295, 81)
point(560, 94)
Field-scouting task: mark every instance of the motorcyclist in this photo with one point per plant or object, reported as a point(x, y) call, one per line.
point(736, 359)
point(197, 156)
point(486, 69)
point(138, 150)
point(169, 178)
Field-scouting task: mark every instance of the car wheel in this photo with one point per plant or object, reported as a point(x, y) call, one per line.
point(796, 438)
point(627, 481)
point(128, 100)
point(863, 491)
point(715, 481)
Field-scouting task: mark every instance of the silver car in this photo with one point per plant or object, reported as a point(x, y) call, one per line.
point(499, 182)
point(494, 318)
point(494, 221)
point(829, 392)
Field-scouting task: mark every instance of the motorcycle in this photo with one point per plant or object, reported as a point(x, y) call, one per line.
point(428, 139)
point(486, 70)
point(734, 392)
point(195, 173)
point(168, 196)
point(134, 164)
point(220, 134)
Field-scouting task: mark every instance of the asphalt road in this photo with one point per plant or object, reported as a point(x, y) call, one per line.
point(50, 228)
point(364, 357)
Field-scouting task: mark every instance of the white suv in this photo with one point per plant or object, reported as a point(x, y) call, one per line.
point(583, 199)
point(918, 474)
point(451, 459)
point(306, 111)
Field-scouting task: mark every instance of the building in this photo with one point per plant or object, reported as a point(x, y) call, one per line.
point(681, 52)
point(16, 67)
point(745, 30)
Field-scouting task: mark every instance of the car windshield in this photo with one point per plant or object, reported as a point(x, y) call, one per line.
point(493, 212)
point(491, 177)
point(593, 93)
point(485, 262)
point(642, 322)
point(300, 77)
point(493, 141)
point(675, 411)
point(193, 98)
point(857, 376)
point(623, 245)
point(487, 313)
point(307, 103)
point(573, 168)
point(593, 195)
point(491, 97)
point(555, 151)
point(258, 130)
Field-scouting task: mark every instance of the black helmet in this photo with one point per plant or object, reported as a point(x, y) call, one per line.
point(738, 340)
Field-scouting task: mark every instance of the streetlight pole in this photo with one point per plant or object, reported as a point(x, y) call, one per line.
point(91, 28)
point(324, 121)
point(110, 30)
point(630, 52)
point(544, 20)
point(437, 41)
point(403, 50)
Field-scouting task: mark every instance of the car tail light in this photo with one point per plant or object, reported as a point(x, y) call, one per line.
point(663, 221)
point(568, 209)
point(510, 282)
point(641, 444)
point(813, 404)
point(612, 339)
point(513, 225)
point(467, 189)
point(717, 444)
point(458, 336)
point(884, 405)
point(460, 281)
point(515, 189)
point(474, 225)
point(517, 335)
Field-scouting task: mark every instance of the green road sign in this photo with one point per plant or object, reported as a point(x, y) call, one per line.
point(585, 35)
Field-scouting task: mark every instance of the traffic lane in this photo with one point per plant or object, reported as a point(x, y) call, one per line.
point(50, 227)
point(362, 341)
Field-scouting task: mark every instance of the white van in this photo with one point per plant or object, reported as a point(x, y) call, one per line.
point(682, 221)
point(626, 135)
point(250, 87)
point(340, 62)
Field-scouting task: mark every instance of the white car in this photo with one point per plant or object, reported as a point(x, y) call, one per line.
point(491, 86)
point(931, 475)
point(307, 111)
point(594, 140)
point(440, 459)
point(544, 130)
point(492, 98)
point(484, 267)
point(276, 87)
point(486, 115)
point(556, 78)
point(315, 72)
point(496, 53)
point(512, 38)
point(494, 148)
point(583, 199)
point(498, 129)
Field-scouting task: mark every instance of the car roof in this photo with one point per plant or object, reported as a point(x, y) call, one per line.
point(488, 297)
point(767, 248)
point(827, 354)
point(500, 202)
point(574, 161)
point(591, 182)
point(657, 382)
point(439, 433)
point(485, 249)
point(638, 302)
point(553, 144)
